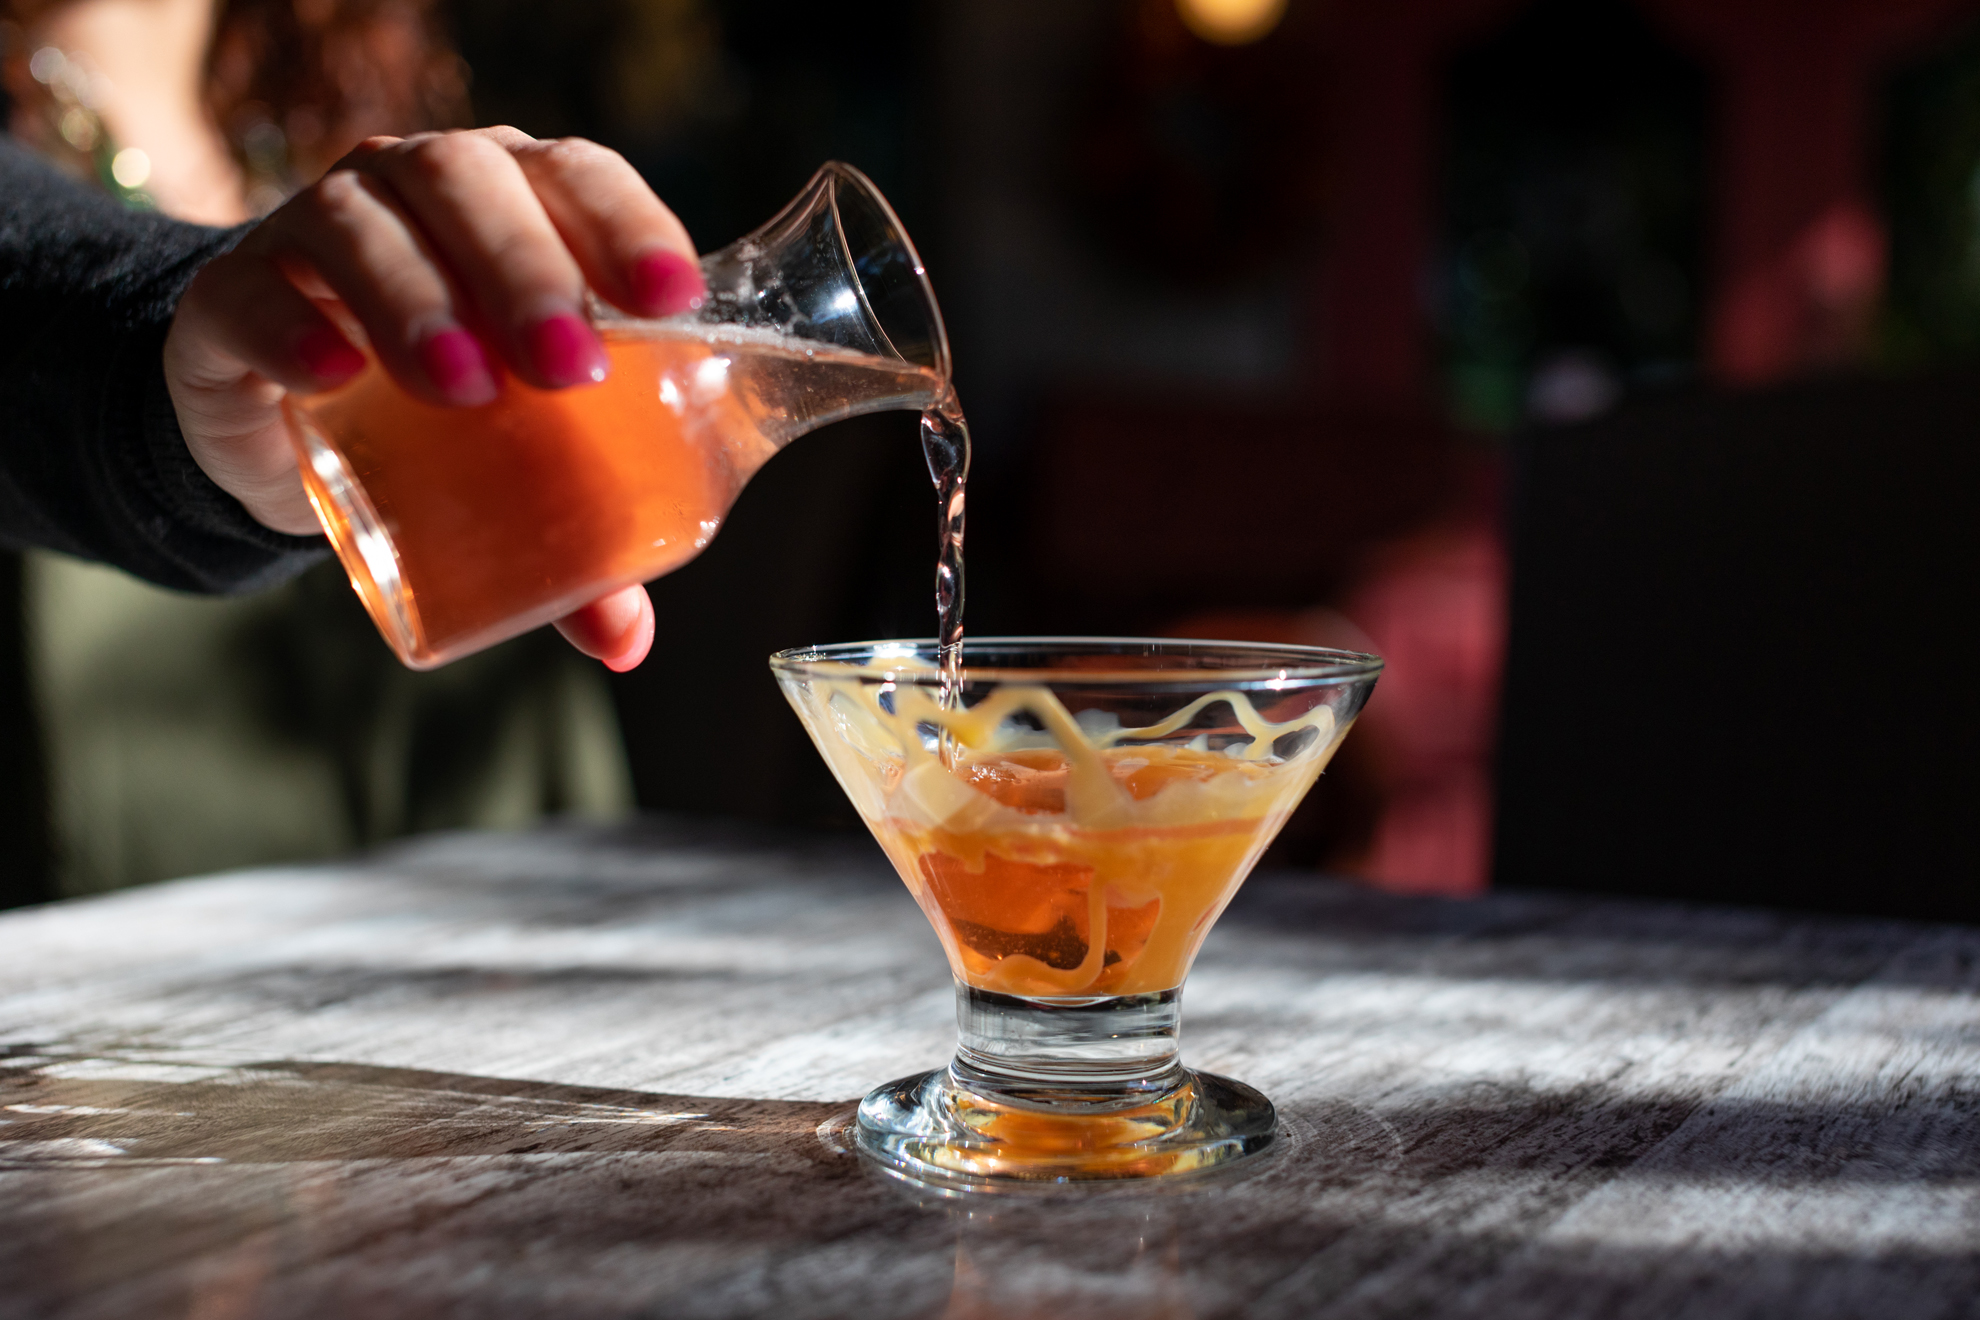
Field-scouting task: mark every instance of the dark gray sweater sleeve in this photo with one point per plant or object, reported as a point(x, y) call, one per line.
point(91, 459)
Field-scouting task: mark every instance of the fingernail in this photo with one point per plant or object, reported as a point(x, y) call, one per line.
point(456, 365)
point(329, 358)
point(566, 351)
point(666, 283)
point(633, 646)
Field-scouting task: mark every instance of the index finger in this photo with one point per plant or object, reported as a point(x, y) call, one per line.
point(632, 249)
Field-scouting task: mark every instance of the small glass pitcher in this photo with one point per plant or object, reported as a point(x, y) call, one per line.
point(462, 527)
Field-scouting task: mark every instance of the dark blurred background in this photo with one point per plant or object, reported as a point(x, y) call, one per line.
point(1293, 332)
point(1605, 364)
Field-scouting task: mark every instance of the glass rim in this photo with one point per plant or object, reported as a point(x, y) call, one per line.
point(1277, 662)
point(846, 176)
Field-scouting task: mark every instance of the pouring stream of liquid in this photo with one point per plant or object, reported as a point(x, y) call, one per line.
point(945, 443)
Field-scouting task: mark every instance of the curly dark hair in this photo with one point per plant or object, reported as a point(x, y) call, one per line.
point(294, 84)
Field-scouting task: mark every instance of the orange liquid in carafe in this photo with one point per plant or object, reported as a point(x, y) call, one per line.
point(508, 515)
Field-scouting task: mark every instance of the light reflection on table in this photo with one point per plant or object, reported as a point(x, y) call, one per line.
point(586, 1073)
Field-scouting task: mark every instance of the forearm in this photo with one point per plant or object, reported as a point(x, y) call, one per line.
point(91, 458)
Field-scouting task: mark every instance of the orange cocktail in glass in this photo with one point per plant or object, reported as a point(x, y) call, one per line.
point(1072, 816)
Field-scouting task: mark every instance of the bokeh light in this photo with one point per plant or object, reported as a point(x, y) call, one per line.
point(1231, 22)
point(131, 168)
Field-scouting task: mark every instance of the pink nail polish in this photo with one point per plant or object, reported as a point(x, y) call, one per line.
point(566, 351)
point(666, 283)
point(456, 365)
point(633, 647)
point(327, 356)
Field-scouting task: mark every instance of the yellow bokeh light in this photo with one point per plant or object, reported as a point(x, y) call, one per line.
point(131, 168)
point(1231, 22)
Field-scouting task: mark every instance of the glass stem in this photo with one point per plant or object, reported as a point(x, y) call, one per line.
point(1092, 1052)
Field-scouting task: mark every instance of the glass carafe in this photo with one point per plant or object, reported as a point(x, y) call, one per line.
point(462, 527)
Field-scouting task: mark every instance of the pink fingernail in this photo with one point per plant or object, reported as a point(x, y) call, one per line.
point(329, 358)
point(666, 283)
point(456, 365)
point(634, 646)
point(566, 351)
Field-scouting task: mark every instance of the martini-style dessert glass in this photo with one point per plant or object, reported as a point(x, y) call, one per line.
point(1072, 814)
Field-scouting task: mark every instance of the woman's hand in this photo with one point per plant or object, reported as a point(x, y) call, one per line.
point(462, 255)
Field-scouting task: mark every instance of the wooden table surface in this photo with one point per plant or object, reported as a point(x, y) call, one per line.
point(584, 1073)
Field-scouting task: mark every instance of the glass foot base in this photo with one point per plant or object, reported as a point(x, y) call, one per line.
point(932, 1129)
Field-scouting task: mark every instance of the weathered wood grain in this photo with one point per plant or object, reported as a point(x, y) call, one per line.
point(583, 1073)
